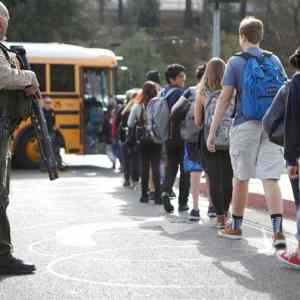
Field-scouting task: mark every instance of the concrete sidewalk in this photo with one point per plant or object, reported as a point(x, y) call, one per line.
point(256, 197)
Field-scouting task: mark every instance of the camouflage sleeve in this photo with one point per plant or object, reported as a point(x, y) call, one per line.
point(11, 78)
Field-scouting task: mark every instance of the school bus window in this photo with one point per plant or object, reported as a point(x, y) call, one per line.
point(62, 78)
point(40, 71)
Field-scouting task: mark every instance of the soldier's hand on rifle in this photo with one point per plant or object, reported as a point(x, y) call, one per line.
point(30, 91)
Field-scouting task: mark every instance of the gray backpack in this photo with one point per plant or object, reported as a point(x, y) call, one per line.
point(222, 134)
point(158, 117)
point(189, 130)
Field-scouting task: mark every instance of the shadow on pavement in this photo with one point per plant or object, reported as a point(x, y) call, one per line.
point(248, 262)
point(69, 172)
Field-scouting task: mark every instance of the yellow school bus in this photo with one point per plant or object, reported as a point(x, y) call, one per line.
point(80, 82)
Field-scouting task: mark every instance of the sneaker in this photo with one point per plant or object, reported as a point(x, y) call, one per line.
point(290, 260)
point(16, 267)
point(230, 233)
point(194, 215)
point(172, 194)
point(211, 212)
point(279, 241)
point(221, 221)
point(144, 199)
point(183, 208)
point(167, 204)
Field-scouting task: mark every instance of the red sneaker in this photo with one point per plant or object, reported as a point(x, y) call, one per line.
point(291, 260)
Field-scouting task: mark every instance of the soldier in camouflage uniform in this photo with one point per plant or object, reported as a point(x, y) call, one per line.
point(10, 79)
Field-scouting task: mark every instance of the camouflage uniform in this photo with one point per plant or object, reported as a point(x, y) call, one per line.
point(10, 79)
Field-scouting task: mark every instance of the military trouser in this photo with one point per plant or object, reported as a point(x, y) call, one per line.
point(5, 165)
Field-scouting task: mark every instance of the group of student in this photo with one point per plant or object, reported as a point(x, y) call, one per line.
point(226, 125)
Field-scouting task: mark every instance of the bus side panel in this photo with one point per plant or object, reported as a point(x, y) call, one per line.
point(67, 120)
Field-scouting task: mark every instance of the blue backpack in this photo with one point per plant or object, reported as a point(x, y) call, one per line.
point(262, 79)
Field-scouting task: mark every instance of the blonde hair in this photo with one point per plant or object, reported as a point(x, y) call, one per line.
point(131, 95)
point(213, 76)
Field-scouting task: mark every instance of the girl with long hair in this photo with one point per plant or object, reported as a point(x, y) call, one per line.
point(150, 152)
point(217, 164)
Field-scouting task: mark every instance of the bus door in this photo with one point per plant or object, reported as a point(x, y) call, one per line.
point(95, 90)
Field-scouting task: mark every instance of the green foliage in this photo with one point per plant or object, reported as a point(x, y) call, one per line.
point(146, 12)
point(230, 44)
point(46, 21)
point(140, 56)
point(230, 18)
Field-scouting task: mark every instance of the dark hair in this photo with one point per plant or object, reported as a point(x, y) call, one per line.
point(295, 59)
point(154, 76)
point(253, 29)
point(200, 71)
point(173, 71)
point(149, 92)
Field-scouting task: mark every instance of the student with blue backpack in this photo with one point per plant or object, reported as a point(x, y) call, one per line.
point(256, 75)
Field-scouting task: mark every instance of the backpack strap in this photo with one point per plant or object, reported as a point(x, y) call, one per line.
point(210, 98)
point(5, 50)
point(247, 55)
point(142, 121)
point(267, 53)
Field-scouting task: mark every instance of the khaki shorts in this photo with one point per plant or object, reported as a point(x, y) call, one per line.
point(253, 155)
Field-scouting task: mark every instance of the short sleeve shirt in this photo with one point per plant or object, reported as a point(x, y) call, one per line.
point(233, 76)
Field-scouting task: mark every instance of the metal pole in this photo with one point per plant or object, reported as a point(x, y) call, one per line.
point(216, 41)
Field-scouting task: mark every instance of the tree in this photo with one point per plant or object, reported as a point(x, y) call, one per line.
point(101, 4)
point(140, 56)
point(243, 9)
point(148, 12)
point(46, 21)
point(188, 16)
point(120, 11)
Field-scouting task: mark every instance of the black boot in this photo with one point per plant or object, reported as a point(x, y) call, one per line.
point(16, 267)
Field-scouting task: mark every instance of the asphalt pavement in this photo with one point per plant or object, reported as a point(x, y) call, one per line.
point(90, 238)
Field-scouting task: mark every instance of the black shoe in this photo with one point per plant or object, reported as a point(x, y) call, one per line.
point(16, 267)
point(126, 184)
point(167, 204)
point(183, 207)
point(144, 199)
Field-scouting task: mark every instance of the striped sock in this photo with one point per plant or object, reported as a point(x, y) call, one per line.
point(237, 222)
point(276, 223)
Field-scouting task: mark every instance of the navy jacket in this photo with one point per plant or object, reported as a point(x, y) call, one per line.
point(292, 122)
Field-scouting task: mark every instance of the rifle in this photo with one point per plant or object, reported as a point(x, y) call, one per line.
point(39, 122)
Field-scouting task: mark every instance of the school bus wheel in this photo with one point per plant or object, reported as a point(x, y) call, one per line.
point(27, 154)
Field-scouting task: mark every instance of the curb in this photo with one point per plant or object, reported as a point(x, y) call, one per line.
point(257, 201)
